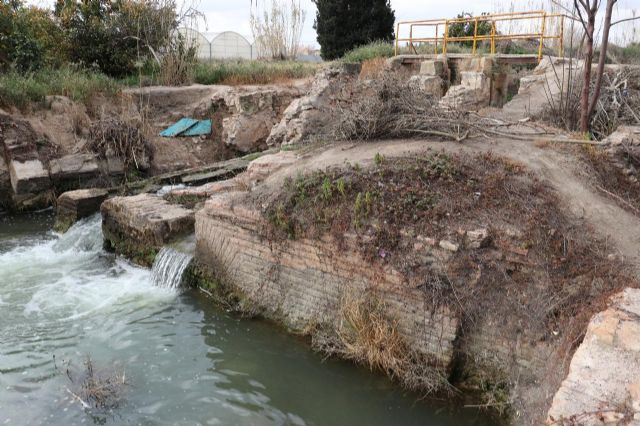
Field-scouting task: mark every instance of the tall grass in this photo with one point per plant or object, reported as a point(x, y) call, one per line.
point(20, 89)
point(378, 49)
point(251, 72)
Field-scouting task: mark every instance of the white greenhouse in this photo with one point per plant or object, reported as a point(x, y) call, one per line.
point(225, 45)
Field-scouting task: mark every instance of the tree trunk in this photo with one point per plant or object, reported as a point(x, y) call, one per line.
point(602, 59)
point(586, 84)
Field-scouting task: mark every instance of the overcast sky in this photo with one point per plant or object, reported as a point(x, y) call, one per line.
point(225, 15)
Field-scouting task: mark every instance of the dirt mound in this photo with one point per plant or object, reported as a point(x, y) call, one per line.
point(520, 275)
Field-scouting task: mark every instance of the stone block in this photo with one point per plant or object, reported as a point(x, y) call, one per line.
point(28, 177)
point(604, 371)
point(75, 205)
point(74, 166)
point(248, 133)
point(433, 68)
point(138, 226)
point(429, 84)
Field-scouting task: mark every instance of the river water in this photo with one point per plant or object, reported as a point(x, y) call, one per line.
point(186, 362)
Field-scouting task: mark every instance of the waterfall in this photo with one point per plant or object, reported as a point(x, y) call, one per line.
point(169, 266)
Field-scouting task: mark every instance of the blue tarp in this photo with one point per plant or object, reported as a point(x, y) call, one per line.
point(188, 127)
point(202, 127)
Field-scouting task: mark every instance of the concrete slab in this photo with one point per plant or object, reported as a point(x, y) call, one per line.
point(28, 177)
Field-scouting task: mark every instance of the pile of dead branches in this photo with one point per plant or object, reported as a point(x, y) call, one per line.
point(114, 137)
point(390, 107)
point(96, 390)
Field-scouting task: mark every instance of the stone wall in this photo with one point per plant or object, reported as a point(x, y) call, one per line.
point(302, 283)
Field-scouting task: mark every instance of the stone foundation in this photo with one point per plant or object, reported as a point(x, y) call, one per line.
point(302, 283)
point(137, 227)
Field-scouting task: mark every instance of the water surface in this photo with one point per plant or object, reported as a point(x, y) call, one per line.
point(186, 362)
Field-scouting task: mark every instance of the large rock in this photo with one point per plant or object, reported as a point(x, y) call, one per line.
point(137, 227)
point(261, 168)
point(431, 85)
point(603, 385)
point(75, 205)
point(308, 116)
point(252, 115)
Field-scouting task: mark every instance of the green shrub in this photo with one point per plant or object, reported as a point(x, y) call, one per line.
point(378, 49)
point(631, 54)
point(467, 28)
point(115, 36)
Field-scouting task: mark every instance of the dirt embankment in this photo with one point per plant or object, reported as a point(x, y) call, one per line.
point(506, 237)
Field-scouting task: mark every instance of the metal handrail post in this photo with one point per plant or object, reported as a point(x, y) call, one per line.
point(475, 36)
point(561, 53)
point(544, 27)
point(446, 36)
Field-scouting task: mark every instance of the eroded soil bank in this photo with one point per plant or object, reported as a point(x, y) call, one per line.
point(448, 271)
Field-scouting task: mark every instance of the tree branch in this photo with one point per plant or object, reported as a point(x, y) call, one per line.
point(633, 18)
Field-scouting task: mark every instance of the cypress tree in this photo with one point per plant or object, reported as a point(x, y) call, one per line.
point(342, 25)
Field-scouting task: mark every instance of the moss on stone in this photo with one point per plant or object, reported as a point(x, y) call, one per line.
point(213, 281)
point(142, 255)
point(63, 224)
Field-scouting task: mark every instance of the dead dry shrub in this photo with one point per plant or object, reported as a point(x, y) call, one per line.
point(364, 333)
point(619, 102)
point(116, 137)
point(373, 68)
point(389, 107)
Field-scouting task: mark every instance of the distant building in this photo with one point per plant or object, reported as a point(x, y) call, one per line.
point(224, 45)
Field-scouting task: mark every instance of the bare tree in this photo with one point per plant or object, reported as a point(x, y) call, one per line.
point(277, 29)
point(587, 11)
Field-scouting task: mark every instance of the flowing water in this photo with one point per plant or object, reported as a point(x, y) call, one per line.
point(186, 362)
point(168, 268)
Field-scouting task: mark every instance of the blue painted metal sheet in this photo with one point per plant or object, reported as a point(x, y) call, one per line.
point(203, 127)
point(181, 126)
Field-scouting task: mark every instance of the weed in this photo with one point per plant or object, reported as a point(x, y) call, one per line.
point(378, 159)
point(327, 188)
point(341, 186)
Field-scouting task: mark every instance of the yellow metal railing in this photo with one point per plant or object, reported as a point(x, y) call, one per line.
point(539, 19)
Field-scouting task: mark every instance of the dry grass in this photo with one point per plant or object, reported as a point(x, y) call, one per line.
point(364, 333)
point(373, 68)
point(619, 102)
